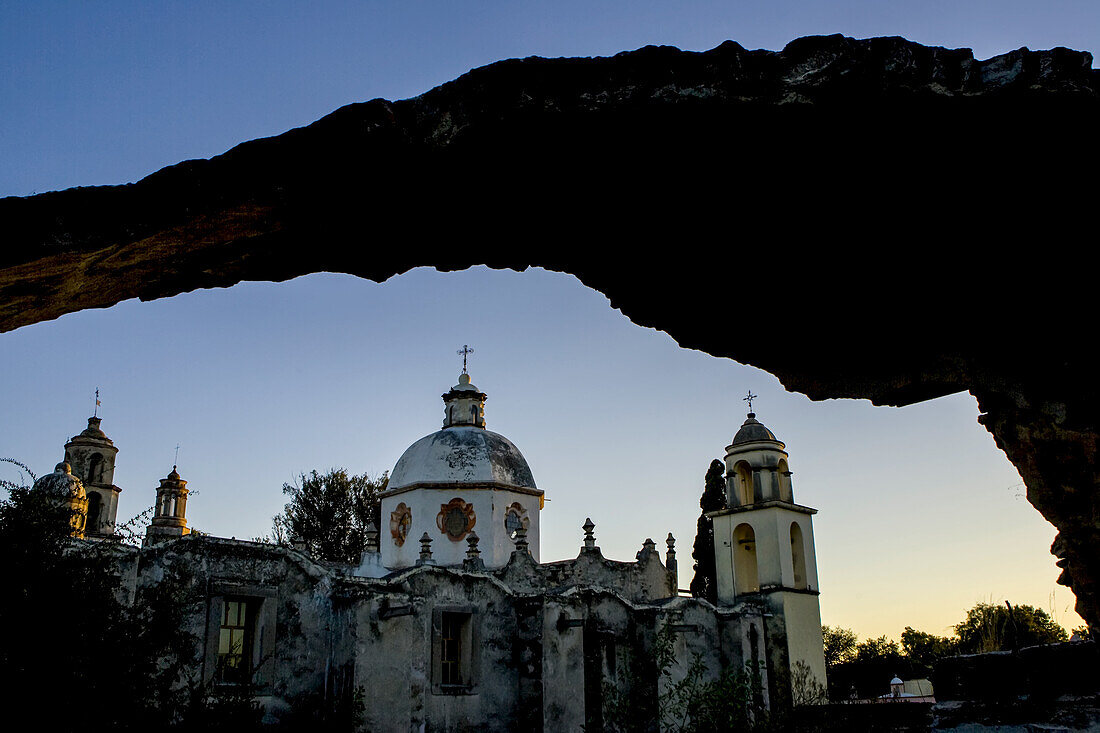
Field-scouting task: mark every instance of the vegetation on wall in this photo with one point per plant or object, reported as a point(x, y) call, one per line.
point(79, 655)
point(72, 633)
point(646, 693)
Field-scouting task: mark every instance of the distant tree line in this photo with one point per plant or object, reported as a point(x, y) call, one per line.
point(863, 669)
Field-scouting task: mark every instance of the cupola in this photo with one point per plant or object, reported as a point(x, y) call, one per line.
point(464, 404)
point(756, 466)
point(170, 511)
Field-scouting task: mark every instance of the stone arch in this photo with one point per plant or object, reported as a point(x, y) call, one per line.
point(746, 575)
point(783, 474)
point(94, 474)
point(798, 556)
point(742, 483)
point(95, 511)
point(894, 360)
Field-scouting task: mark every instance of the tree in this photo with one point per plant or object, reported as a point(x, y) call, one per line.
point(924, 649)
point(329, 513)
point(991, 628)
point(840, 645)
point(861, 668)
point(67, 628)
point(705, 582)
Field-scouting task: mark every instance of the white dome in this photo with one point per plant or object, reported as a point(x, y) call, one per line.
point(462, 454)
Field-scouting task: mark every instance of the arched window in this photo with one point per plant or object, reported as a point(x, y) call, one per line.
point(95, 469)
point(745, 577)
point(743, 483)
point(95, 507)
point(784, 474)
point(798, 556)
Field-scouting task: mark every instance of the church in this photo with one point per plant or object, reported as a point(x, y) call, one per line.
point(451, 620)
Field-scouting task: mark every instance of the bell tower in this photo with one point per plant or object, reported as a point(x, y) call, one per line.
point(764, 551)
point(92, 457)
point(170, 512)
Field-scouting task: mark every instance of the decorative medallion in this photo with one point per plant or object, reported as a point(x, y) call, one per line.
point(455, 519)
point(400, 522)
point(514, 518)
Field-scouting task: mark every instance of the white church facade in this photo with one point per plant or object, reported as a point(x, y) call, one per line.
point(451, 621)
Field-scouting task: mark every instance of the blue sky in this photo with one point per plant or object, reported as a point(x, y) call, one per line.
point(921, 516)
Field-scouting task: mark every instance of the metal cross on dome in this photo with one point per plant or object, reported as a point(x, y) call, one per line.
point(464, 352)
point(749, 399)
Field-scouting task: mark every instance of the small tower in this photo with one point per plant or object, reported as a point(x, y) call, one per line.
point(764, 548)
point(70, 491)
point(464, 404)
point(170, 513)
point(92, 457)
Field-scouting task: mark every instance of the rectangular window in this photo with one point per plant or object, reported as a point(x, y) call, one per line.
point(240, 635)
point(454, 651)
point(235, 641)
point(450, 652)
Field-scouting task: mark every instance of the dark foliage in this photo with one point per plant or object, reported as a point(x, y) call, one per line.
point(840, 645)
point(704, 584)
point(80, 655)
point(863, 669)
point(69, 632)
point(329, 513)
point(924, 649)
point(990, 628)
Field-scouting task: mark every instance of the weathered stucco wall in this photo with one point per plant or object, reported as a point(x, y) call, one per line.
point(947, 188)
point(536, 655)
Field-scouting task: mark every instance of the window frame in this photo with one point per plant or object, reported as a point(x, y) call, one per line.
point(467, 661)
point(245, 623)
point(260, 626)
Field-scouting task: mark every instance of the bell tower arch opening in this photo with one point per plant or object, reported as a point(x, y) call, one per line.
point(746, 576)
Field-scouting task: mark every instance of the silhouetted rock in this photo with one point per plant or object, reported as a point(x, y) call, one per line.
point(914, 222)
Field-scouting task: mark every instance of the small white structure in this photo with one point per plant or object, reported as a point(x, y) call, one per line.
point(909, 691)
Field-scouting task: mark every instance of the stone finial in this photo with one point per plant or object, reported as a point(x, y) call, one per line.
point(521, 540)
point(589, 538)
point(473, 561)
point(372, 536)
point(670, 556)
point(425, 551)
point(648, 548)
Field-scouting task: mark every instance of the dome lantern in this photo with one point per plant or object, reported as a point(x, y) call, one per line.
point(465, 404)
